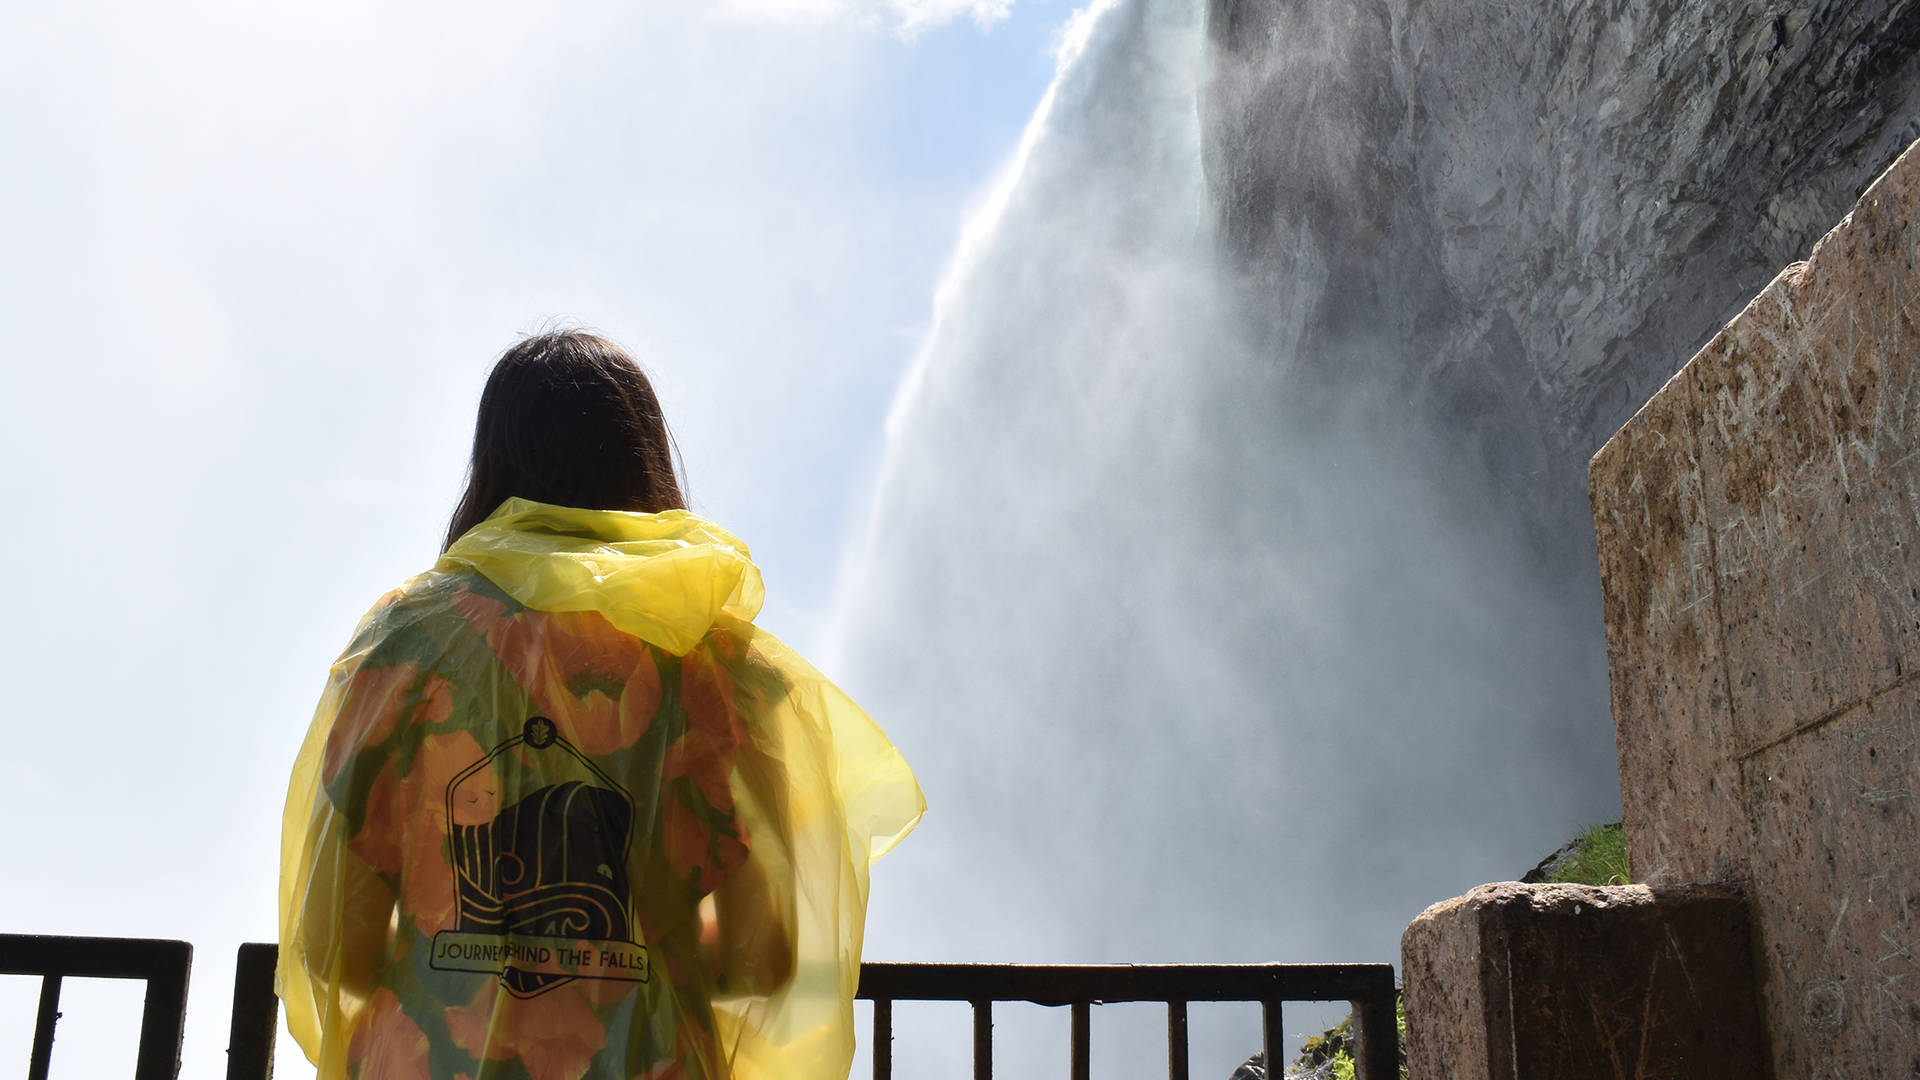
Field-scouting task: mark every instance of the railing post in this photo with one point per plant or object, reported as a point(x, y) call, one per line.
point(163, 1016)
point(1376, 1031)
point(983, 1039)
point(882, 1039)
point(43, 1028)
point(1273, 1036)
point(1176, 1040)
point(1082, 1040)
point(256, 1014)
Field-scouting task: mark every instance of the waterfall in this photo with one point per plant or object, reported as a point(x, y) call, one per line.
point(1194, 664)
point(1229, 580)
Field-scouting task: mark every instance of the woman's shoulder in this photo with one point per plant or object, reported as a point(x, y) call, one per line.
point(436, 603)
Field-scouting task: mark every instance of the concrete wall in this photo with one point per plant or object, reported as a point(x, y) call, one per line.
point(1759, 535)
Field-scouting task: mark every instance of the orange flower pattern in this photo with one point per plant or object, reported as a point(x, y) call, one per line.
point(555, 1036)
point(388, 1045)
point(374, 707)
point(425, 744)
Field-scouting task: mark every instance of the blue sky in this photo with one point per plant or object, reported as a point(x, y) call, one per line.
point(253, 266)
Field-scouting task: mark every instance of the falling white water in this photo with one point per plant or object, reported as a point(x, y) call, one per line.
point(1187, 675)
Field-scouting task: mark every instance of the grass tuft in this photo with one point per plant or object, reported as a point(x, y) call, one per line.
point(1599, 858)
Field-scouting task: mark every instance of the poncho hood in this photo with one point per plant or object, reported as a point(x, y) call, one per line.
point(666, 578)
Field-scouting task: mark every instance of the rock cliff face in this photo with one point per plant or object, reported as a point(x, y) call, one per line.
point(1528, 216)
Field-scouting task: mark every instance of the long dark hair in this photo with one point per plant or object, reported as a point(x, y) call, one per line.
point(568, 418)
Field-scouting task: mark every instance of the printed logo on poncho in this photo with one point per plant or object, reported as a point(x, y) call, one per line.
point(541, 891)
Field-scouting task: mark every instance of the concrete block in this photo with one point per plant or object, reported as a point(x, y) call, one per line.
point(1519, 981)
point(1798, 424)
point(1836, 890)
point(1673, 725)
point(1759, 532)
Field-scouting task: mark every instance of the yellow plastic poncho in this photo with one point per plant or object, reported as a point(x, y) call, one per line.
point(565, 812)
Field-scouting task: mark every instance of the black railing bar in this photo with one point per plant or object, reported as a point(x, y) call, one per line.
point(163, 965)
point(49, 1015)
point(1376, 1031)
point(882, 1039)
point(1063, 984)
point(92, 958)
point(983, 1040)
point(1078, 1060)
point(1176, 1040)
point(1368, 987)
point(163, 1019)
point(1043, 984)
point(1273, 1036)
point(256, 1021)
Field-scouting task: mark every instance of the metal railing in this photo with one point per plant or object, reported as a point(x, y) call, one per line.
point(256, 1014)
point(163, 964)
point(1368, 987)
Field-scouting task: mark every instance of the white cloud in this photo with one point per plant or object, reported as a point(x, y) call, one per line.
point(908, 17)
point(917, 15)
point(786, 10)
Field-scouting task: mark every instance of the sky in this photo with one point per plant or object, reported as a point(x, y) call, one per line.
point(254, 264)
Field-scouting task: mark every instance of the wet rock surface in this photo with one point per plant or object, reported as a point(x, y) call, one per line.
point(1524, 218)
